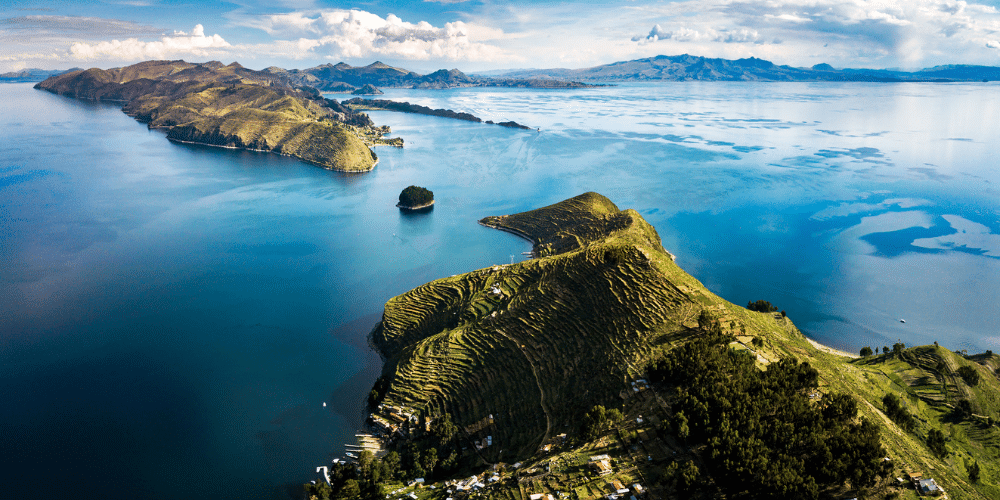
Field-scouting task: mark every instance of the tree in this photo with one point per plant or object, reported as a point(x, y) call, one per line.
point(351, 489)
point(969, 374)
point(866, 351)
point(898, 347)
point(761, 306)
point(935, 441)
point(895, 411)
point(683, 431)
point(391, 461)
point(974, 472)
point(445, 428)
point(963, 409)
point(885, 349)
point(430, 459)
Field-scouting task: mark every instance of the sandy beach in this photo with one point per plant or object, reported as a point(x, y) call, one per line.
point(830, 350)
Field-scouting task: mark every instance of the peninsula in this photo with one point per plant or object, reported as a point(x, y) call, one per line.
point(359, 104)
point(232, 107)
point(601, 367)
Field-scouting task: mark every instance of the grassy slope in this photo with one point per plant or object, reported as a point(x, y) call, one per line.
point(568, 331)
point(573, 328)
point(259, 118)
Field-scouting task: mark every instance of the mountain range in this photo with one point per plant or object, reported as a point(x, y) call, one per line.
point(342, 77)
point(696, 68)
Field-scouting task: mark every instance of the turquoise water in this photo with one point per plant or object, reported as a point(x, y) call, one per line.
point(172, 317)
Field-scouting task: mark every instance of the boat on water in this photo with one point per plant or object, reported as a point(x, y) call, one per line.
point(901, 320)
point(351, 455)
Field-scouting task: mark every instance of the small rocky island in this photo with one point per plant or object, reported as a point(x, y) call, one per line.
point(415, 198)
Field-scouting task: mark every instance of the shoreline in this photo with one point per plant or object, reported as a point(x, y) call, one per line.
point(831, 350)
point(271, 151)
point(418, 207)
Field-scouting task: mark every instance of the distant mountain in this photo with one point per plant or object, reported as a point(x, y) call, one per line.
point(342, 77)
point(696, 68)
point(32, 75)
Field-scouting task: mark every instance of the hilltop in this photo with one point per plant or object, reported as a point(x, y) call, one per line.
point(231, 106)
point(601, 367)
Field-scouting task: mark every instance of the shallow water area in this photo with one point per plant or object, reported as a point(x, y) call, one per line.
point(174, 316)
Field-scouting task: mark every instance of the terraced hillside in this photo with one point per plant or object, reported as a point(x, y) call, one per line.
point(231, 106)
point(538, 343)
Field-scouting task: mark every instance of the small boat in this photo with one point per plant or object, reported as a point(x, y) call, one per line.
point(324, 405)
point(901, 320)
point(351, 455)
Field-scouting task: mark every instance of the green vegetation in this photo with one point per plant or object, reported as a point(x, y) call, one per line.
point(894, 410)
point(231, 106)
point(599, 420)
point(522, 371)
point(761, 306)
point(415, 197)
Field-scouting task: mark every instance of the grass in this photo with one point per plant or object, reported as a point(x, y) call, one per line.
point(566, 332)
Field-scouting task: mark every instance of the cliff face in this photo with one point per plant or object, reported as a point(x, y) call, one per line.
point(229, 106)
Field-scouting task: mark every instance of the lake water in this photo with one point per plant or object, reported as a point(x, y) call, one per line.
point(173, 317)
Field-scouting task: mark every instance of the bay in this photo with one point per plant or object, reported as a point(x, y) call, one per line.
point(172, 317)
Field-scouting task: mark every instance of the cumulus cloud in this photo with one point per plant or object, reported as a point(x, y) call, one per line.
point(890, 33)
point(180, 44)
point(342, 34)
point(684, 34)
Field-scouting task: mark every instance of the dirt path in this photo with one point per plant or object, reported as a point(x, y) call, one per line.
point(541, 390)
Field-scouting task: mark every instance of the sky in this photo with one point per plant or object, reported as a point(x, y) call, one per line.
point(478, 35)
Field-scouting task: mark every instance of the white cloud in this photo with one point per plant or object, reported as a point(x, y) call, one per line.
point(344, 34)
point(684, 34)
point(178, 45)
point(914, 33)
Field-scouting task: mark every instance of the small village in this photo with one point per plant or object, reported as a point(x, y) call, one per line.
point(625, 464)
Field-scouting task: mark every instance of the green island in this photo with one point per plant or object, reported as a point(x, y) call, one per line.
point(233, 107)
point(601, 368)
point(415, 198)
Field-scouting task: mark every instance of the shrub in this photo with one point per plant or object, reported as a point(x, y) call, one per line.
point(969, 374)
point(935, 441)
point(761, 306)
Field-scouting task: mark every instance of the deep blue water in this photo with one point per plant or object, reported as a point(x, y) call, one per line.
point(173, 317)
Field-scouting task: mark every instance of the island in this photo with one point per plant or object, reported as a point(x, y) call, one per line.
point(600, 367)
point(415, 198)
point(233, 107)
